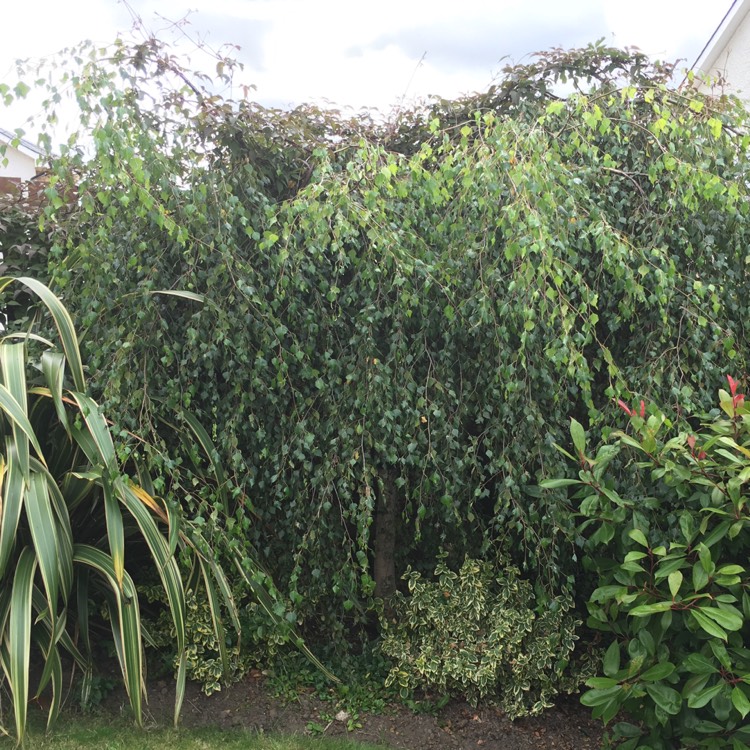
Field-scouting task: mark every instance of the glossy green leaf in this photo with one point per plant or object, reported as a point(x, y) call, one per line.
point(611, 661)
point(703, 697)
point(644, 610)
point(708, 624)
point(658, 672)
point(675, 582)
point(699, 664)
point(578, 434)
point(638, 536)
point(600, 697)
point(740, 701)
point(728, 618)
point(667, 698)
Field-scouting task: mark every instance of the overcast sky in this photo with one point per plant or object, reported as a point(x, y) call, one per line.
point(366, 53)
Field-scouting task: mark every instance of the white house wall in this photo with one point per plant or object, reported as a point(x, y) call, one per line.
point(731, 59)
point(19, 165)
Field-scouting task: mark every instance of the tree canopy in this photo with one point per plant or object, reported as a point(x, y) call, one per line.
point(394, 321)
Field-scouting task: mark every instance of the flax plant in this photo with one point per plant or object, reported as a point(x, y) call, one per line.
point(69, 519)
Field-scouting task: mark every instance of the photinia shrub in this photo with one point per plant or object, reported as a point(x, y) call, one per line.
point(673, 581)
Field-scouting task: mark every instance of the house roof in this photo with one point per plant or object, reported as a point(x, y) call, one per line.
point(23, 145)
point(721, 36)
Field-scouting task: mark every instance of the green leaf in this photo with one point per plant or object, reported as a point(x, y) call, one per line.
point(19, 636)
point(553, 484)
point(704, 555)
point(740, 701)
point(600, 697)
point(675, 581)
point(578, 434)
point(708, 625)
point(44, 535)
point(728, 618)
point(625, 729)
point(126, 622)
point(702, 697)
point(668, 699)
point(63, 322)
point(601, 683)
point(633, 556)
point(192, 296)
point(139, 503)
point(638, 537)
point(650, 609)
point(53, 367)
point(98, 432)
point(115, 529)
point(212, 454)
point(730, 570)
point(700, 576)
point(13, 493)
point(699, 664)
point(611, 661)
point(21, 427)
point(657, 672)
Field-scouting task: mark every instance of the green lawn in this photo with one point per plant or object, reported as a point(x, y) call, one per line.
point(107, 734)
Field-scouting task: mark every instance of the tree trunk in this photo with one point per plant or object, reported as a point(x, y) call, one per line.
point(384, 547)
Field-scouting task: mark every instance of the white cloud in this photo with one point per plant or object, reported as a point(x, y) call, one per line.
point(665, 30)
point(357, 53)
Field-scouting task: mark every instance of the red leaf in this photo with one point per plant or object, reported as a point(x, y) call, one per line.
point(732, 384)
point(625, 407)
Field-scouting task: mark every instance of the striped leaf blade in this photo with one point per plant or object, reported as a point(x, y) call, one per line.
point(52, 664)
point(13, 365)
point(216, 618)
point(126, 623)
point(65, 328)
point(44, 536)
point(13, 494)
point(53, 367)
point(19, 636)
point(138, 502)
point(115, 530)
point(210, 450)
point(192, 296)
point(23, 432)
point(98, 431)
point(64, 530)
point(266, 601)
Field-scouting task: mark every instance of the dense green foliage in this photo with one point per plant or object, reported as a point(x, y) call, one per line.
point(399, 319)
point(24, 250)
point(674, 584)
point(476, 633)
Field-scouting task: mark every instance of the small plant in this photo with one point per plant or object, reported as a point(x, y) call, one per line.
point(204, 660)
point(95, 694)
point(674, 586)
point(477, 633)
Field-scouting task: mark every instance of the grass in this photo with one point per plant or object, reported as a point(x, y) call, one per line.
point(96, 733)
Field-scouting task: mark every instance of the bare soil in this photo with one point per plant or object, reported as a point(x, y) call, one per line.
point(457, 726)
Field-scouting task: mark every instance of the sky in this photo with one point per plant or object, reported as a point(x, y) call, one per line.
point(362, 54)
